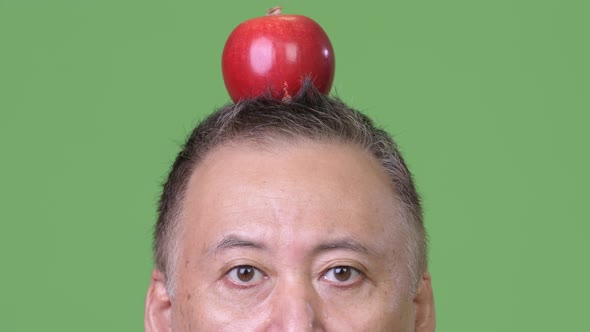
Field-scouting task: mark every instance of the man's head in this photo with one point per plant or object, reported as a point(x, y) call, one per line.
point(289, 215)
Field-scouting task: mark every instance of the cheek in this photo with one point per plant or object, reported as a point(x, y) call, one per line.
point(205, 315)
point(373, 314)
point(202, 305)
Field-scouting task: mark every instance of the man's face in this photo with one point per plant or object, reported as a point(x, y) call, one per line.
point(294, 237)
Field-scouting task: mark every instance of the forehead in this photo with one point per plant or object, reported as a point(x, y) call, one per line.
point(308, 188)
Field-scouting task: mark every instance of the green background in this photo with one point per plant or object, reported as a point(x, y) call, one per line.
point(488, 100)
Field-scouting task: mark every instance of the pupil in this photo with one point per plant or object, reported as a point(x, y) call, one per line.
point(342, 273)
point(245, 273)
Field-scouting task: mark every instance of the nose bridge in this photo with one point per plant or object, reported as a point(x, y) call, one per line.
point(294, 306)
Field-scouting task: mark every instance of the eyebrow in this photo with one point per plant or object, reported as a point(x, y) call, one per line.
point(234, 241)
point(346, 243)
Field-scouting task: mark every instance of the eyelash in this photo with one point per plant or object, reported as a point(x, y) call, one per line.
point(356, 276)
point(260, 276)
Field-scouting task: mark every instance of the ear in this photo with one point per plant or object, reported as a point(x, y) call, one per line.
point(424, 305)
point(157, 305)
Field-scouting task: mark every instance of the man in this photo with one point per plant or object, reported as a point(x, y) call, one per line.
point(289, 216)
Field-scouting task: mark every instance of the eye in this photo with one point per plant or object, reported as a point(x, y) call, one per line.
point(342, 275)
point(245, 275)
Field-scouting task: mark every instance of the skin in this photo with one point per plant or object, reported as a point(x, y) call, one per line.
point(292, 214)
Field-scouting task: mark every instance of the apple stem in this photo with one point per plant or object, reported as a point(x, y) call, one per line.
point(286, 95)
point(276, 10)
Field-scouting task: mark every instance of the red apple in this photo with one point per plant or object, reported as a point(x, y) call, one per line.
point(274, 53)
